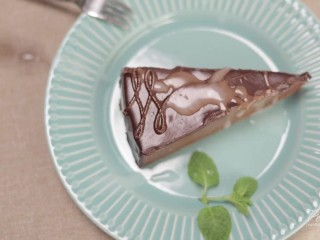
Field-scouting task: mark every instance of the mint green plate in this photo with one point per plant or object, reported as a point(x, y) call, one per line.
point(280, 146)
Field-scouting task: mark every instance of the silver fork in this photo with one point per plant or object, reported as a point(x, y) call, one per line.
point(113, 11)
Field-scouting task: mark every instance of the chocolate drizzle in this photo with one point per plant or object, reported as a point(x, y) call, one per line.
point(189, 99)
point(160, 120)
point(148, 79)
point(186, 94)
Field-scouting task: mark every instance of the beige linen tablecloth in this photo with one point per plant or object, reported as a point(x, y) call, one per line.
point(33, 202)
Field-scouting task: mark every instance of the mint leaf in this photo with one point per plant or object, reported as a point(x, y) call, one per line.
point(243, 189)
point(214, 223)
point(202, 170)
point(245, 186)
point(240, 202)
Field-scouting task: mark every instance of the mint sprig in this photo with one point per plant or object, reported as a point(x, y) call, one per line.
point(243, 190)
point(215, 222)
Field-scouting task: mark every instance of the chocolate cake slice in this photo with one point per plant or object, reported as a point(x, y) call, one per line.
point(167, 109)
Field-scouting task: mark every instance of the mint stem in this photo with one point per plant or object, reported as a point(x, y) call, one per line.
point(219, 199)
point(204, 198)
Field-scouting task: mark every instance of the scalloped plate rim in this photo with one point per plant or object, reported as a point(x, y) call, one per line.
point(53, 156)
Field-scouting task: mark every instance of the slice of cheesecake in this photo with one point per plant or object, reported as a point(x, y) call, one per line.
point(167, 109)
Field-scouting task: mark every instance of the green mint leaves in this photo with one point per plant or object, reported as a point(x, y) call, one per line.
point(241, 203)
point(202, 170)
point(215, 222)
point(245, 187)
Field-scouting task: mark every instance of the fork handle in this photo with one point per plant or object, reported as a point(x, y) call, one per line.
point(80, 3)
